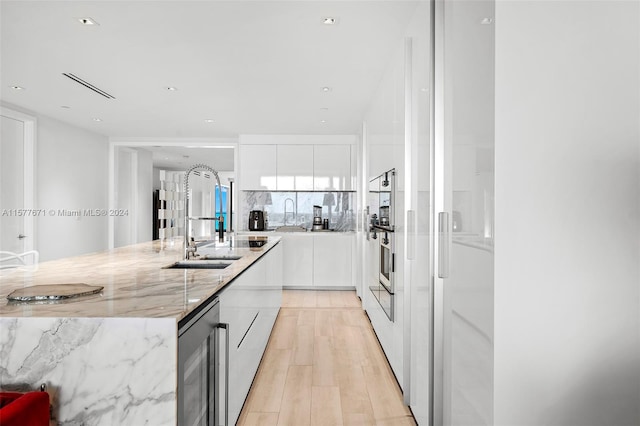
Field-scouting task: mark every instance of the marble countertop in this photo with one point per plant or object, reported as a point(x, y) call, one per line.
point(135, 280)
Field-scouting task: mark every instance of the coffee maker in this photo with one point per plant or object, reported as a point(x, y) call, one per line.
point(317, 218)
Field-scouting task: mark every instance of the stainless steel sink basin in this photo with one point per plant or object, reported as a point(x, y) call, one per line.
point(199, 264)
point(290, 228)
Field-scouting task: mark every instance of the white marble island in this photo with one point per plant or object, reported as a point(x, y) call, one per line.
point(110, 358)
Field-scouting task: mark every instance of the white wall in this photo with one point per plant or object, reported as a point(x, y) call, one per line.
point(125, 196)
point(71, 174)
point(145, 196)
point(567, 348)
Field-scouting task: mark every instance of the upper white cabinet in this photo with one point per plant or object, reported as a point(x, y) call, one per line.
point(332, 168)
point(278, 163)
point(386, 157)
point(258, 167)
point(295, 167)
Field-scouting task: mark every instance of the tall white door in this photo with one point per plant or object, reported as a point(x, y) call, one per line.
point(15, 217)
point(464, 146)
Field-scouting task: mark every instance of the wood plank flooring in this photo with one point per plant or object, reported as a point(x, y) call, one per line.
point(324, 366)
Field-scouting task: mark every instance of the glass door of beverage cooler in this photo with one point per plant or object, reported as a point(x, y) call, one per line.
point(198, 361)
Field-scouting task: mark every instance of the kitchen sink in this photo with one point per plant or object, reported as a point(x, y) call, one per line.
point(199, 264)
point(290, 228)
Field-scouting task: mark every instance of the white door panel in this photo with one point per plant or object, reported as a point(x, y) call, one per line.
point(17, 211)
point(464, 301)
point(12, 185)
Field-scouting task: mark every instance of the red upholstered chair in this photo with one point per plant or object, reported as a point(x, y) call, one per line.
point(24, 409)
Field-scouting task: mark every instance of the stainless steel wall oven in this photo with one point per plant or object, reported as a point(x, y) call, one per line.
point(386, 260)
point(382, 227)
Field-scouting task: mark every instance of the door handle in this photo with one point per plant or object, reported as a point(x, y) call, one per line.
point(21, 236)
point(411, 237)
point(225, 326)
point(443, 245)
point(367, 223)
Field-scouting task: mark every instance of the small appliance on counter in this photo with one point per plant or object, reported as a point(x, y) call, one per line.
point(317, 219)
point(257, 220)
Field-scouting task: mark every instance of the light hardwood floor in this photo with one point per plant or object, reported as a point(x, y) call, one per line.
point(324, 366)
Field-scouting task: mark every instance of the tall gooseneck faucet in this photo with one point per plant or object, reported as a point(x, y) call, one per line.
point(293, 206)
point(188, 247)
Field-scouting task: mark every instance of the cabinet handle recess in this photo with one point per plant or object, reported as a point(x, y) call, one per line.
point(248, 329)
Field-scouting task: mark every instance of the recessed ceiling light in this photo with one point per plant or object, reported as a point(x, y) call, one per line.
point(486, 21)
point(326, 89)
point(323, 121)
point(17, 87)
point(208, 120)
point(65, 106)
point(172, 89)
point(329, 20)
point(97, 119)
point(87, 21)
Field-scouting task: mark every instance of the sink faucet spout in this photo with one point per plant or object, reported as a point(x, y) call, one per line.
point(293, 205)
point(190, 248)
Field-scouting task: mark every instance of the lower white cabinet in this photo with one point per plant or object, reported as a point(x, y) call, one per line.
point(249, 305)
point(317, 259)
point(298, 260)
point(332, 260)
point(320, 260)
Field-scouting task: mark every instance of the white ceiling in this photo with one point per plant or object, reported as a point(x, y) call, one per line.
point(251, 66)
point(181, 157)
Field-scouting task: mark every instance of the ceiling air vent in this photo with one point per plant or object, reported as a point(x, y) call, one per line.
point(88, 85)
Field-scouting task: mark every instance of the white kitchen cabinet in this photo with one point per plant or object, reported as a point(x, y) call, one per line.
point(249, 305)
point(464, 172)
point(295, 167)
point(258, 167)
point(386, 157)
point(297, 267)
point(332, 168)
point(332, 260)
point(317, 259)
